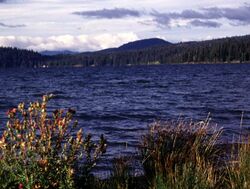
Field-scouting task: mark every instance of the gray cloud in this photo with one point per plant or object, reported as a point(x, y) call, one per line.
point(161, 19)
point(109, 13)
point(187, 14)
point(12, 1)
point(209, 24)
point(12, 26)
point(213, 13)
point(204, 17)
point(240, 14)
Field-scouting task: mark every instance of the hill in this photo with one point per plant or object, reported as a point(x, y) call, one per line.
point(143, 44)
point(148, 51)
point(53, 53)
point(136, 45)
point(224, 50)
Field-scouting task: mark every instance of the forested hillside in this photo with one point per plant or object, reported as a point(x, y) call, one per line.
point(13, 57)
point(225, 50)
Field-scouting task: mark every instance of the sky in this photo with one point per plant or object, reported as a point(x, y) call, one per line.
point(89, 25)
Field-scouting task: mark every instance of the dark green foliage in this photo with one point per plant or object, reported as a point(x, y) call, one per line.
point(225, 50)
point(142, 44)
point(13, 57)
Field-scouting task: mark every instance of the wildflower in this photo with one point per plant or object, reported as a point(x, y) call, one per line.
point(19, 136)
point(43, 162)
point(71, 172)
point(37, 104)
point(43, 107)
point(11, 113)
point(22, 144)
point(14, 110)
point(61, 122)
point(79, 135)
point(34, 137)
point(30, 109)
point(45, 98)
point(20, 186)
point(2, 142)
point(21, 106)
point(37, 186)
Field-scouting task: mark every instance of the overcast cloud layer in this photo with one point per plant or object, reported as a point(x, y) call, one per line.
point(87, 25)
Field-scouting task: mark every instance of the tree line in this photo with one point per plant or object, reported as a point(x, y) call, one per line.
point(225, 50)
point(18, 58)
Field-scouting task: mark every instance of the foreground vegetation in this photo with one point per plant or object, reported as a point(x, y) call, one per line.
point(42, 149)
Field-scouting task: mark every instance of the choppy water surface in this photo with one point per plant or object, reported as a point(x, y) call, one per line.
point(121, 102)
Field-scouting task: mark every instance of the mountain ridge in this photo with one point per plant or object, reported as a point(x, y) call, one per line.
point(133, 45)
point(142, 44)
point(223, 50)
point(57, 52)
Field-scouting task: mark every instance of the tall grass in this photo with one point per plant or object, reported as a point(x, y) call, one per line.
point(185, 155)
point(182, 155)
point(239, 166)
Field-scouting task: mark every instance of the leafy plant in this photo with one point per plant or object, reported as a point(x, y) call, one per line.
point(39, 149)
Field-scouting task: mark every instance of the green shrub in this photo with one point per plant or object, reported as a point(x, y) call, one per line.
point(39, 150)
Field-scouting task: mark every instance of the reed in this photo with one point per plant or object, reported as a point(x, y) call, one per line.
point(181, 154)
point(239, 165)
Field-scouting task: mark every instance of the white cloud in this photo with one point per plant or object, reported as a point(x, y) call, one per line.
point(68, 42)
point(58, 28)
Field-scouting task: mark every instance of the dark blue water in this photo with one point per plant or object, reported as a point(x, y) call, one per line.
point(121, 102)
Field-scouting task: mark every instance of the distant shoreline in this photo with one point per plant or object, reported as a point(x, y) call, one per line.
point(142, 52)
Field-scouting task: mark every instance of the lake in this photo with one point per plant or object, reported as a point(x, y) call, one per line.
point(120, 102)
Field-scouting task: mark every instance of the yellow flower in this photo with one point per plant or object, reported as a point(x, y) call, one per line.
point(2, 143)
point(79, 135)
point(22, 144)
point(37, 186)
point(21, 106)
point(71, 172)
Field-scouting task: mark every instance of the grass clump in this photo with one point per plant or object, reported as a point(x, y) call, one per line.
point(182, 155)
point(239, 165)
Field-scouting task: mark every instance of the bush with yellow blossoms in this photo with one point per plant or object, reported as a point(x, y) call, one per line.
point(39, 149)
